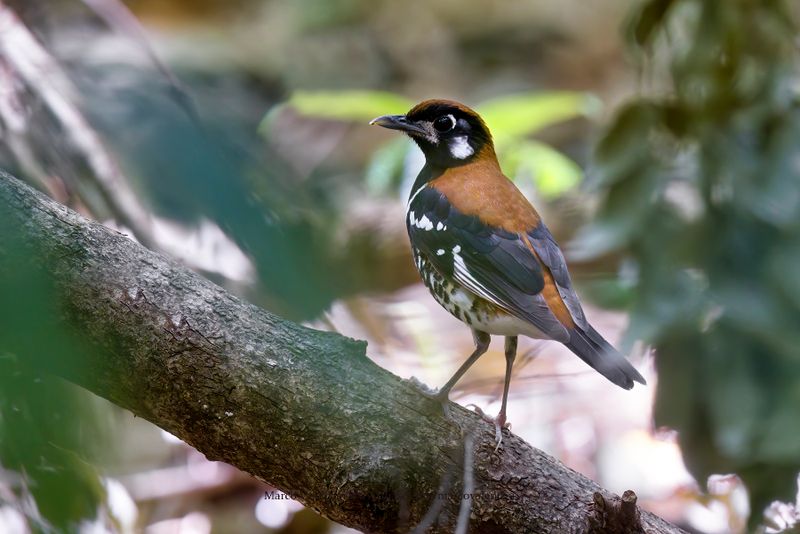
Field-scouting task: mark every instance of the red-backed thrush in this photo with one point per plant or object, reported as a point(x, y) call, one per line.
point(483, 251)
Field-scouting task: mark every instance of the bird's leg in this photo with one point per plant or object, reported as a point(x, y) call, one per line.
point(441, 395)
point(500, 420)
point(482, 340)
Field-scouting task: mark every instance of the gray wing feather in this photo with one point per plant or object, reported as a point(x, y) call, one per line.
point(533, 308)
point(494, 264)
point(549, 252)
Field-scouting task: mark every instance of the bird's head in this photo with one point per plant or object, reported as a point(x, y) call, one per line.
point(449, 133)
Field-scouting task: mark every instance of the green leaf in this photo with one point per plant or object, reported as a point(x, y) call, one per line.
point(781, 426)
point(513, 117)
point(552, 172)
point(356, 105)
point(625, 148)
point(609, 292)
point(736, 402)
point(621, 219)
point(648, 21)
point(386, 165)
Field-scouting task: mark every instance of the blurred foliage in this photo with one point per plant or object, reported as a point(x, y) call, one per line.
point(702, 188)
point(218, 169)
point(48, 428)
point(289, 209)
point(511, 119)
point(354, 105)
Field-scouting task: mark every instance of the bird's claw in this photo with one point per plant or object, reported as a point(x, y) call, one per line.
point(498, 436)
point(441, 397)
point(499, 423)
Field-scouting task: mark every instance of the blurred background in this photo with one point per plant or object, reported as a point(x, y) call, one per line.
point(658, 138)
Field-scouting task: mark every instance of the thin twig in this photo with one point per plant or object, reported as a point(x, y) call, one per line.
point(438, 502)
point(468, 487)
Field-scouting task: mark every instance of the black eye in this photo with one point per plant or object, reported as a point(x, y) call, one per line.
point(445, 123)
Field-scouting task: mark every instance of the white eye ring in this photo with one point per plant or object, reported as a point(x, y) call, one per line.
point(445, 123)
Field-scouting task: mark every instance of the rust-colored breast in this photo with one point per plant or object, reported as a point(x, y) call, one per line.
point(481, 189)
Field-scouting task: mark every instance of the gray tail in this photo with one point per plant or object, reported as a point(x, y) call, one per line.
point(597, 352)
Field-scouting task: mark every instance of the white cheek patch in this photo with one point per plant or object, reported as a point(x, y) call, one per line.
point(460, 147)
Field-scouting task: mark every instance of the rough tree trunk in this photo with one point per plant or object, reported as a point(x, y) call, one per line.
point(305, 411)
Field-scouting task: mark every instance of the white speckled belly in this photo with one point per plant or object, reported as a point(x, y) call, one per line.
point(476, 312)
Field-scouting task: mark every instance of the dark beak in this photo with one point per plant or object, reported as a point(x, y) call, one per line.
point(398, 122)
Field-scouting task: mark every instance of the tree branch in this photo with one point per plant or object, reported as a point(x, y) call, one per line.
point(303, 410)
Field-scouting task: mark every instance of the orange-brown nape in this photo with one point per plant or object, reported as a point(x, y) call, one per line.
point(479, 188)
point(440, 103)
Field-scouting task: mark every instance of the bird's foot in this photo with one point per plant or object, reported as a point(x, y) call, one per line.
point(499, 423)
point(434, 394)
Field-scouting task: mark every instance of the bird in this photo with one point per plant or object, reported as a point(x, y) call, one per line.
point(485, 254)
